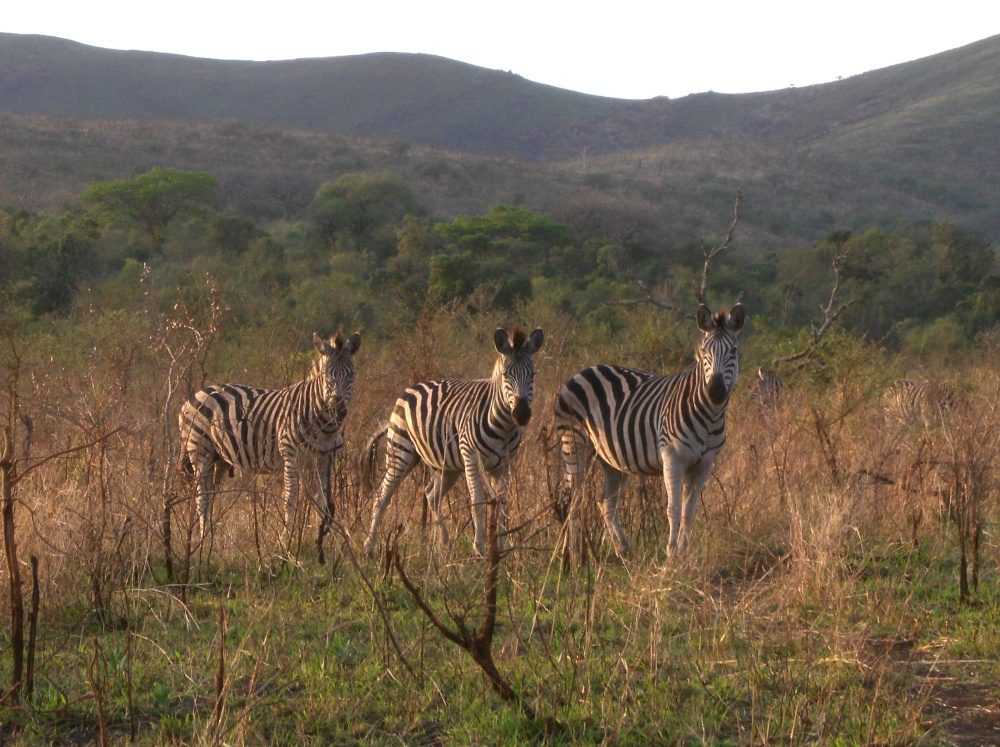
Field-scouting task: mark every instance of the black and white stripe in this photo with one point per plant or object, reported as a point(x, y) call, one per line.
point(460, 427)
point(925, 402)
point(645, 424)
point(767, 391)
point(265, 430)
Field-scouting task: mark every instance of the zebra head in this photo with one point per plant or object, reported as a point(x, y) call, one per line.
point(335, 367)
point(718, 353)
point(516, 370)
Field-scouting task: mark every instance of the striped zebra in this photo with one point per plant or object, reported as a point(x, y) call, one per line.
point(920, 401)
point(461, 427)
point(645, 424)
point(767, 390)
point(223, 427)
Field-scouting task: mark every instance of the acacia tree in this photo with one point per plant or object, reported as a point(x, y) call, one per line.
point(150, 201)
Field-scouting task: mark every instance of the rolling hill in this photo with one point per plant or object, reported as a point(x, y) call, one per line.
point(912, 141)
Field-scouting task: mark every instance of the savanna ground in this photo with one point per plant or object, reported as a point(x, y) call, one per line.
point(821, 603)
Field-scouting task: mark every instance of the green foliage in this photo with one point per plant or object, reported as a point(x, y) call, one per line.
point(361, 213)
point(233, 235)
point(46, 259)
point(150, 201)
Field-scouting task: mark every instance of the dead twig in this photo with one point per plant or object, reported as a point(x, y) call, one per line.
point(830, 317)
point(699, 291)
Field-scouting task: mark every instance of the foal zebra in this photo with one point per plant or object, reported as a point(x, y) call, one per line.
point(458, 427)
point(641, 423)
point(229, 426)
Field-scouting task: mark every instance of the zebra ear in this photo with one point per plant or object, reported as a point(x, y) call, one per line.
point(322, 346)
point(502, 342)
point(534, 343)
point(353, 344)
point(736, 318)
point(706, 322)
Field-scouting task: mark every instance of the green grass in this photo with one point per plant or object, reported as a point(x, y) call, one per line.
point(628, 654)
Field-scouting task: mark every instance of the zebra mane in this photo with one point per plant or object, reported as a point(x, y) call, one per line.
point(518, 337)
point(338, 339)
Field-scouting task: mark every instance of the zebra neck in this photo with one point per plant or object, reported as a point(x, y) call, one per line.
point(499, 415)
point(315, 406)
point(696, 385)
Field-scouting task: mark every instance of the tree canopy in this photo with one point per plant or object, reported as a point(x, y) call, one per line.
point(150, 201)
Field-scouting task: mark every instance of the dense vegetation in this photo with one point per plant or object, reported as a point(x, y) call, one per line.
point(368, 254)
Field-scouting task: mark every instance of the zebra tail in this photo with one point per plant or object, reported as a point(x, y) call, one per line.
point(186, 466)
point(369, 459)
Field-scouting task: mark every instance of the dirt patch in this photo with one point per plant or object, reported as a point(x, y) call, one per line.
point(962, 699)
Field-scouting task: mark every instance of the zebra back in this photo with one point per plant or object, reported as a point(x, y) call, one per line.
point(435, 418)
point(629, 416)
point(248, 426)
point(923, 401)
point(767, 391)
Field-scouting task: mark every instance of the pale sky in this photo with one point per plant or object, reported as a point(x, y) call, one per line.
point(626, 49)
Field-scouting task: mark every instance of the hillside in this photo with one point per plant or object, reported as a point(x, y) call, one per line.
point(908, 142)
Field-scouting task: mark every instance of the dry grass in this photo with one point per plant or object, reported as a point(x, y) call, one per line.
point(824, 571)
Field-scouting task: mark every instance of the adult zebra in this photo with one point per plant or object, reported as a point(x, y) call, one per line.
point(229, 426)
point(924, 401)
point(458, 427)
point(768, 390)
point(641, 423)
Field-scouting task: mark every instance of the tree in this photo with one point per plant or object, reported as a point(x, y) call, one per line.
point(359, 212)
point(150, 201)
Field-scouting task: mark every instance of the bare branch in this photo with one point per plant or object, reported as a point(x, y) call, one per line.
point(830, 317)
point(64, 452)
point(460, 638)
point(383, 613)
point(644, 287)
point(699, 293)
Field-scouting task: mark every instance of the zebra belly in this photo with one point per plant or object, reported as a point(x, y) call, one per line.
point(640, 456)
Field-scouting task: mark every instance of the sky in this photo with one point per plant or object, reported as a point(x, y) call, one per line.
point(626, 49)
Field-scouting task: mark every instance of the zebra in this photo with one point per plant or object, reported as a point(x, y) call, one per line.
point(641, 423)
point(768, 390)
point(228, 426)
point(925, 401)
point(455, 427)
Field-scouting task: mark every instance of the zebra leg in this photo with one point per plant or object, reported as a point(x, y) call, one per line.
point(324, 503)
point(435, 492)
point(673, 479)
point(574, 455)
point(399, 460)
point(614, 488)
point(208, 477)
point(474, 478)
point(291, 474)
point(694, 482)
point(498, 489)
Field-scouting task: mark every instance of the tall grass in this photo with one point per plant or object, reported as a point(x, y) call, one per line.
point(822, 587)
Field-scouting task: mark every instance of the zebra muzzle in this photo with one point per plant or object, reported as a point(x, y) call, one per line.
point(522, 411)
point(717, 389)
